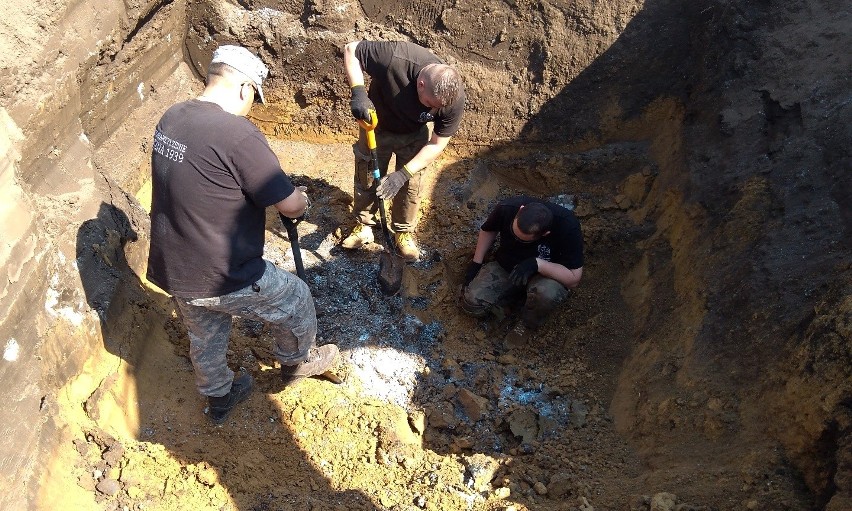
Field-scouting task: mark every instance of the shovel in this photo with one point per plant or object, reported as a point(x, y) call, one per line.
point(293, 235)
point(390, 263)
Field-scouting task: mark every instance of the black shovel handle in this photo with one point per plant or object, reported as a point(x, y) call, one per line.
point(293, 235)
point(383, 214)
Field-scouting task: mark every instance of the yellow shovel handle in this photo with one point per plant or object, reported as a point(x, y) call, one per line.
point(369, 128)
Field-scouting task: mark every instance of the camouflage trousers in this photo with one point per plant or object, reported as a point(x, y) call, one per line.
point(403, 213)
point(279, 298)
point(492, 291)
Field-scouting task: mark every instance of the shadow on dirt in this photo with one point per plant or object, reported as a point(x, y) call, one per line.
point(253, 456)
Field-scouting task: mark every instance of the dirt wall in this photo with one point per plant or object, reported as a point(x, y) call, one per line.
point(720, 129)
point(72, 72)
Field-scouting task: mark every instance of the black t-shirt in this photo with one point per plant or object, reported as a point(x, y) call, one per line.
point(213, 176)
point(393, 67)
point(564, 244)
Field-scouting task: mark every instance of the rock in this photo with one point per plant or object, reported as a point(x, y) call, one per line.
point(524, 424)
point(298, 415)
point(585, 506)
point(578, 415)
point(561, 484)
point(663, 501)
point(640, 503)
point(387, 500)
point(548, 426)
point(396, 430)
point(540, 488)
point(82, 447)
point(635, 187)
point(108, 486)
point(527, 447)
point(206, 475)
point(502, 493)
point(464, 442)
point(417, 421)
point(86, 482)
point(474, 406)
point(449, 391)
point(481, 469)
point(452, 369)
point(114, 454)
point(507, 360)
point(442, 415)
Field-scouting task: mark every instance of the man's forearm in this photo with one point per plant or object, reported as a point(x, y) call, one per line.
point(427, 154)
point(295, 205)
point(565, 276)
point(354, 73)
point(483, 245)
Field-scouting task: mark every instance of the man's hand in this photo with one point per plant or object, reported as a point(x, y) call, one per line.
point(390, 185)
point(361, 104)
point(303, 190)
point(472, 271)
point(523, 271)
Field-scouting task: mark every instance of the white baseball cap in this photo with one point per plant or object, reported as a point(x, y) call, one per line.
point(243, 61)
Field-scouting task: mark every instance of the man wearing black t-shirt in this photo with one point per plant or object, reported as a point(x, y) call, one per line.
point(213, 177)
point(540, 253)
point(409, 88)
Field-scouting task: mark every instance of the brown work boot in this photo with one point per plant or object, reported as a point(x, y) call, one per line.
point(407, 246)
point(220, 407)
point(320, 359)
point(361, 235)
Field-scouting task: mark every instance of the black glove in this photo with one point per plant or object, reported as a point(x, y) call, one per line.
point(390, 185)
point(523, 271)
point(361, 104)
point(472, 270)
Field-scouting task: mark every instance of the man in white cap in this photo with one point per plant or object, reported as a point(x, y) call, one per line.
point(214, 175)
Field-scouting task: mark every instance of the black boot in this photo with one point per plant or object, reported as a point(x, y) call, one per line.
point(221, 407)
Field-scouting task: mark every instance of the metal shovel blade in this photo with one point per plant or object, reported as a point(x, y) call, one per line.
point(390, 273)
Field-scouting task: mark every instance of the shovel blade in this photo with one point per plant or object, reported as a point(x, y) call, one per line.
point(390, 273)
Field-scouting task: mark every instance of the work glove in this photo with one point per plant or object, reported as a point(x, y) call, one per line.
point(390, 185)
point(523, 271)
point(472, 270)
point(361, 104)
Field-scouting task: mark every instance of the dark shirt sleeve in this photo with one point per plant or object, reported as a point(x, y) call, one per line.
point(448, 119)
point(497, 219)
point(259, 173)
point(374, 56)
point(568, 248)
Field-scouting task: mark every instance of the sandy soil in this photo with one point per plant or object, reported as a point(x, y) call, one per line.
point(435, 412)
point(703, 364)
